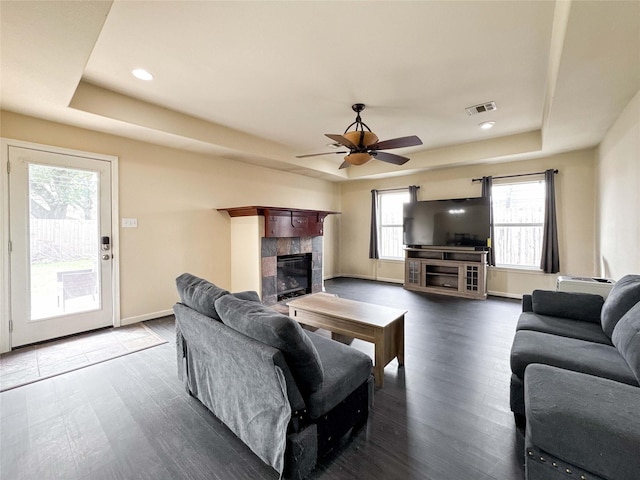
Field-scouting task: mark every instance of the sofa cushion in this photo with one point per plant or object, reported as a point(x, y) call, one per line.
point(624, 295)
point(345, 369)
point(569, 353)
point(577, 306)
point(264, 324)
point(586, 421)
point(199, 294)
point(591, 332)
point(626, 338)
point(250, 295)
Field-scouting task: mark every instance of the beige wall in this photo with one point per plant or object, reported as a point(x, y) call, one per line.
point(618, 175)
point(174, 195)
point(576, 219)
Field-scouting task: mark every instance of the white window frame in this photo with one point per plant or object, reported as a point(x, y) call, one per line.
point(503, 183)
point(381, 226)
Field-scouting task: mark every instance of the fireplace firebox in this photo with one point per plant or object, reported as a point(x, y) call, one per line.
point(293, 276)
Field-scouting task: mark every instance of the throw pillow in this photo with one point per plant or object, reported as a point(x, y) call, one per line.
point(264, 324)
point(626, 338)
point(577, 306)
point(624, 295)
point(199, 294)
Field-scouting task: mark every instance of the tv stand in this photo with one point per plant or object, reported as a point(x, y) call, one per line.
point(457, 271)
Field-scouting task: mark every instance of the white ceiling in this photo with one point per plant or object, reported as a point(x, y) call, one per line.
point(263, 81)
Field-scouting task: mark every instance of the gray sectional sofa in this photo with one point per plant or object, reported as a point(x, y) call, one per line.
point(288, 394)
point(575, 383)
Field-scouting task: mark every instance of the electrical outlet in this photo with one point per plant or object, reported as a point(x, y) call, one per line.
point(129, 223)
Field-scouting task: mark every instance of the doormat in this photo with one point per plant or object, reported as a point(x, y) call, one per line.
point(45, 360)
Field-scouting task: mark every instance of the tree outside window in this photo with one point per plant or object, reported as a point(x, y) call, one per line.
point(390, 218)
point(518, 217)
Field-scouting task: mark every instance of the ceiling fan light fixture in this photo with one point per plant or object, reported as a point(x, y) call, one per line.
point(368, 138)
point(358, 158)
point(363, 144)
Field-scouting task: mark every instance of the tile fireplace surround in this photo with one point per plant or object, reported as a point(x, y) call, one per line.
point(259, 235)
point(272, 247)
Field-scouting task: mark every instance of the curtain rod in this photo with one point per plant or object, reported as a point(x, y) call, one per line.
point(392, 189)
point(513, 176)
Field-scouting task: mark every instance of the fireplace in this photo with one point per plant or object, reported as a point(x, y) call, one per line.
point(284, 261)
point(293, 275)
point(262, 236)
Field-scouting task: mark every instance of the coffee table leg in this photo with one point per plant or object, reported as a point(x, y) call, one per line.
point(378, 367)
point(399, 340)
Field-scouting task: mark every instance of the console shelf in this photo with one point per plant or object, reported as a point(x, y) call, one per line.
point(448, 271)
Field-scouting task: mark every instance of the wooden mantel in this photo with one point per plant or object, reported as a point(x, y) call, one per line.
point(284, 222)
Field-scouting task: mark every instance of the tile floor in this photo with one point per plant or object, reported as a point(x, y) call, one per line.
point(35, 362)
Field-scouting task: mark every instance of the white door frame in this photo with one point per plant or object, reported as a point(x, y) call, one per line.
point(5, 297)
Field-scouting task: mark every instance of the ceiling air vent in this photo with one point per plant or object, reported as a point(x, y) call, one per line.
point(483, 107)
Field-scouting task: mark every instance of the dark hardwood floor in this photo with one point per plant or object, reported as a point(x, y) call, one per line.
point(443, 416)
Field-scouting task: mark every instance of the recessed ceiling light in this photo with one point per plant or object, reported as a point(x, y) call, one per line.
point(142, 74)
point(486, 125)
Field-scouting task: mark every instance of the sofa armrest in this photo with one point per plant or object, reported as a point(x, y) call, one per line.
point(240, 380)
point(527, 303)
point(586, 421)
point(586, 307)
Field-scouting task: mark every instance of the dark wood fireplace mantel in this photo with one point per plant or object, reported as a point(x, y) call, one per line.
point(285, 222)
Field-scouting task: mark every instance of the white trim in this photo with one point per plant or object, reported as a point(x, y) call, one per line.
point(515, 269)
point(389, 280)
point(5, 336)
point(5, 143)
point(115, 242)
point(367, 277)
point(145, 317)
point(517, 296)
point(360, 277)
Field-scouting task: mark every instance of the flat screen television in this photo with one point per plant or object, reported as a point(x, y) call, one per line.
point(459, 222)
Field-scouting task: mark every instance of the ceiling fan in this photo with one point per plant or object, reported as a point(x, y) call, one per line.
point(363, 144)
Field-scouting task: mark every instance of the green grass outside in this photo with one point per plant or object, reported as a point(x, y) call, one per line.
point(44, 275)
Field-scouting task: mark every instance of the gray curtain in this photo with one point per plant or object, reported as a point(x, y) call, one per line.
point(487, 184)
point(413, 193)
point(550, 262)
point(373, 234)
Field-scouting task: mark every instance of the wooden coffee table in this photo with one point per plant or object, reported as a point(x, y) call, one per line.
point(383, 326)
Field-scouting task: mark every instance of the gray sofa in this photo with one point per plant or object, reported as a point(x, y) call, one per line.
point(575, 383)
point(288, 394)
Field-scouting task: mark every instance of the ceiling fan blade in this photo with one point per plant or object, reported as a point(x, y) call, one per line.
point(318, 154)
point(410, 141)
point(345, 164)
point(341, 140)
point(390, 158)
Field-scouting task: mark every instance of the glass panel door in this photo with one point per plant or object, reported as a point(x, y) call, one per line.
point(63, 225)
point(60, 230)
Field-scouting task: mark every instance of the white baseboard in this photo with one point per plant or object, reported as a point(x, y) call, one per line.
point(516, 296)
point(146, 316)
point(366, 277)
point(389, 280)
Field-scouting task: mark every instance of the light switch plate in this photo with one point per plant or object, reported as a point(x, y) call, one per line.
point(129, 223)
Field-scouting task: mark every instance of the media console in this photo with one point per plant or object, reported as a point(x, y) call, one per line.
point(455, 271)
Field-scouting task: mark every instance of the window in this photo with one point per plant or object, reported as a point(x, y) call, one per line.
point(518, 218)
point(390, 223)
